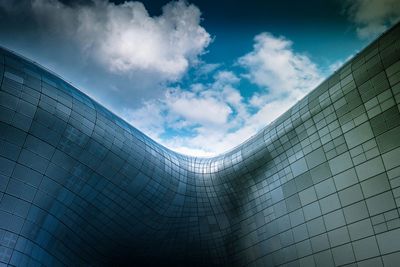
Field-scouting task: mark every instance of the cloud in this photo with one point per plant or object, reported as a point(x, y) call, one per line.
point(206, 117)
point(211, 118)
point(149, 118)
point(336, 65)
point(124, 38)
point(203, 69)
point(285, 75)
point(275, 66)
point(124, 54)
point(119, 54)
point(201, 108)
point(372, 17)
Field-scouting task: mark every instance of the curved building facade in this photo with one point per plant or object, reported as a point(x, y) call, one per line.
point(320, 186)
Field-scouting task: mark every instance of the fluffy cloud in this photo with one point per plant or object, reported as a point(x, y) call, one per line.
point(149, 118)
point(198, 107)
point(137, 53)
point(214, 117)
point(206, 116)
point(124, 38)
point(275, 66)
point(372, 17)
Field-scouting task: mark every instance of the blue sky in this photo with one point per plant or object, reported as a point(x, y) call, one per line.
point(199, 77)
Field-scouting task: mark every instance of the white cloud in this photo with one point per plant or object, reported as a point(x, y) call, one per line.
point(125, 38)
point(285, 75)
point(149, 118)
point(372, 17)
point(216, 117)
point(199, 108)
point(200, 119)
point(274, 66)
point(209, 116)
point(204, 69)
point(336, 65)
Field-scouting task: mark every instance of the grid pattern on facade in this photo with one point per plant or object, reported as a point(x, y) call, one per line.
point(320, 186)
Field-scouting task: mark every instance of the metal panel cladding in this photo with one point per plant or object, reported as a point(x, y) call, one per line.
point(318, 187)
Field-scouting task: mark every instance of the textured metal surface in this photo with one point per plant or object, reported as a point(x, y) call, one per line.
point(319, 186)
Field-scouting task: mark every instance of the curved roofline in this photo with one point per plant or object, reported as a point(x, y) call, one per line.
point(229, 151)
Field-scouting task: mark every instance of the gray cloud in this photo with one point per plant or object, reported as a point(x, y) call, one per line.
point(123, 37)
point(120, 49)
point(373, 17)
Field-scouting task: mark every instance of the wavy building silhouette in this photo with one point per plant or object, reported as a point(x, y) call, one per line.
point(320, 186)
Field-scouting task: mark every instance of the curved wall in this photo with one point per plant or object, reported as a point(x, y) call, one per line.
point(319, 186)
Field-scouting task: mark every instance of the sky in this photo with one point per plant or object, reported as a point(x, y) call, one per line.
point(199, 77)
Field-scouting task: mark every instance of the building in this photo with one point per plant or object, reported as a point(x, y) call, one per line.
point(319, 186)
